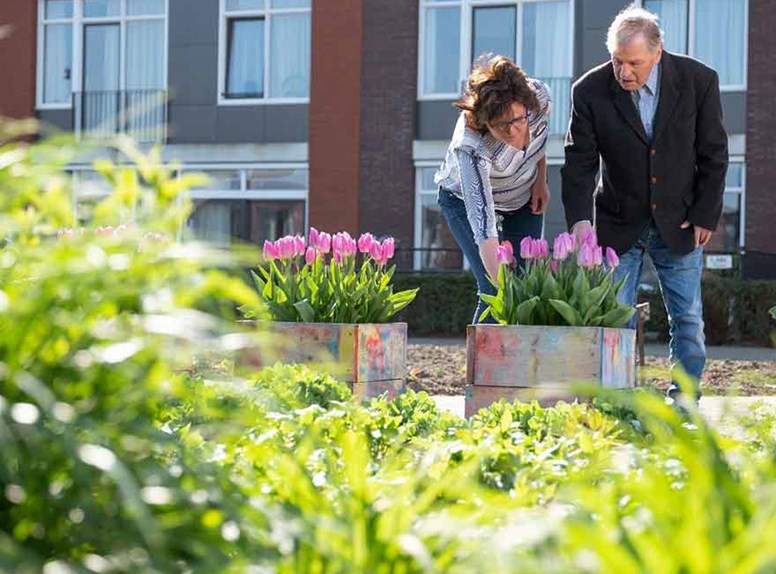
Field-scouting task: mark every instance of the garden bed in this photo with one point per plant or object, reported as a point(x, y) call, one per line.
point(441, 370)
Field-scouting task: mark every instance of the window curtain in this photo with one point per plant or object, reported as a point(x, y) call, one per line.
point(673, 22)
point(494, 31)
point(442, 50)
point(289, 51)
point(145, 55)
point(58, 55)
point(246, 58)
point(547, 42)
point(212, 221)
point(720, 38)
point(101, 79)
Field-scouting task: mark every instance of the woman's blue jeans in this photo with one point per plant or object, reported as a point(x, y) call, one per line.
point(515, 226)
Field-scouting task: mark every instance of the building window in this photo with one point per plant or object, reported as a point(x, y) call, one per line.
point(714, 31)
point(537, 34)
point(265, 50)
point(729, 237)
point(435, 246)
point(249, 205)
point(55, 53)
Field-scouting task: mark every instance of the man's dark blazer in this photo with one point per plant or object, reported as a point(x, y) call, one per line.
point(679, 176)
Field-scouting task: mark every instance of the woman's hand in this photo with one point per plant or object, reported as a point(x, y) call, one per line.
point(540, 196)
point(488, 255)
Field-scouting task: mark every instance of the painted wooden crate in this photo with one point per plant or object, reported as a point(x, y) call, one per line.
point(370, 357)
point(543, 363)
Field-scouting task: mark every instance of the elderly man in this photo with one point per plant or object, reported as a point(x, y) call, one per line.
point(646, 135)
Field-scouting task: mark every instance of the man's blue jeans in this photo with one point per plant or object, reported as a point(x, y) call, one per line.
point(679, 277)
point(515, 226)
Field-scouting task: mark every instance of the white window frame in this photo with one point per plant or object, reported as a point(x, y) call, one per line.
point(223, 32)
point(251, 194)
point(465, 37)
point(741, 191)
point(691, 4)
point(78, 22)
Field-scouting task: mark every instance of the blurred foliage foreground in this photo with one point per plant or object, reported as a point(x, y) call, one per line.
point(116, 456)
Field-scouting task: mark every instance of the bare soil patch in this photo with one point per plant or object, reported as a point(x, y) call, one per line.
point(441, 370)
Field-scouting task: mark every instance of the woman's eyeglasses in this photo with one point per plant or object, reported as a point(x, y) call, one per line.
point(504, 127)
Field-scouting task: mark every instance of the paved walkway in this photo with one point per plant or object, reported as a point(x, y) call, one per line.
point(651, 349)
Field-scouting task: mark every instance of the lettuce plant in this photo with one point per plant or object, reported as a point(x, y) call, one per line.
point(575, 286)
point(322, 279)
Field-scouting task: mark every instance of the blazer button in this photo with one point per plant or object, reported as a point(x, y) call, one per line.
point(654, 206)
point(652, 152)
point(654, 180)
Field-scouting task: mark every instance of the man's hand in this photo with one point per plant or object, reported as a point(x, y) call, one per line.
point(580, 229)
point(702, 235)
point(540, 197)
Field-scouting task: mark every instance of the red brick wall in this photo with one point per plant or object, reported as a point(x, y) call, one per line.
point(761, 129)
point(18, 57)
point(388, 96)
point(335, 117)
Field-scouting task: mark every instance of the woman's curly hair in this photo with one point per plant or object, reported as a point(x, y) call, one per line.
point(493, 86)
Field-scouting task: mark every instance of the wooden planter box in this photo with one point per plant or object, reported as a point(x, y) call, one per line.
point(524, 363)
point(371, 357)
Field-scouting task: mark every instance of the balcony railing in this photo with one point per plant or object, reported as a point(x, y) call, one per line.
point(560, 90)
point(141, 114)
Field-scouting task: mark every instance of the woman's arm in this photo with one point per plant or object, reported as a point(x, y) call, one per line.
point(540, 192)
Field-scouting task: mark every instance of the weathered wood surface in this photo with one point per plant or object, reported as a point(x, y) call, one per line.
point(544, 362)
point(353, 353)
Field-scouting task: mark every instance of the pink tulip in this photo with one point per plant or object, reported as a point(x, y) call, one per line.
point(585, 256)
point(554, 264)
point(598, 255)
point(389, 247)
point(324, 242)
point(563, 246)
point(612, 260)
point(504, 255)
point(312, 237)
point(376, 253)
point(298, 245)
point(365, 242)
point(287, 247)
point(527, 248)
point(309, 255)
point(541, 248)
point(270, 251)
point(588, 238)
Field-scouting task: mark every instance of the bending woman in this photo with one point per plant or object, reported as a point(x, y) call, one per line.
point(493, 181)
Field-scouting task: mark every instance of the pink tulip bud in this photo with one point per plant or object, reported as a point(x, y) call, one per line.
point(376, 252)
point(270, 251)
point(312, 237)
point(365, 242)
point(554, 264)
point(338, 257)
point(586, 256)
point(298, 245)
point(309, 255)
point(612, 260)
point(598, 255)
point(588, 238)
point(324, 242)
point(389, 247)
point(504, 256)
point(541, 248)
point(563, 246)
point(287, 247)
point(527, 248)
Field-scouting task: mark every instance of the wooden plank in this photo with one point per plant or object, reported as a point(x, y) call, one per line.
point(329, 347)
point(381, 352)
point(618, 358)
point(365, 391)
point(532, 356)
point(480, 397)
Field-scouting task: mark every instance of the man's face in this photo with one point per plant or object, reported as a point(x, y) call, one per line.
point(633, 63)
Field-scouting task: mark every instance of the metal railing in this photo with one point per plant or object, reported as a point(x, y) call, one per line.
point(141, 114)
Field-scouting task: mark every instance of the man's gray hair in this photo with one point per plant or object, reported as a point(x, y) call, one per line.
point(631, 22)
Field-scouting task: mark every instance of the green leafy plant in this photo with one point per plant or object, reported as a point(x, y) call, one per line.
point(773, 312)
point(297, 283)
point(572, 288)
